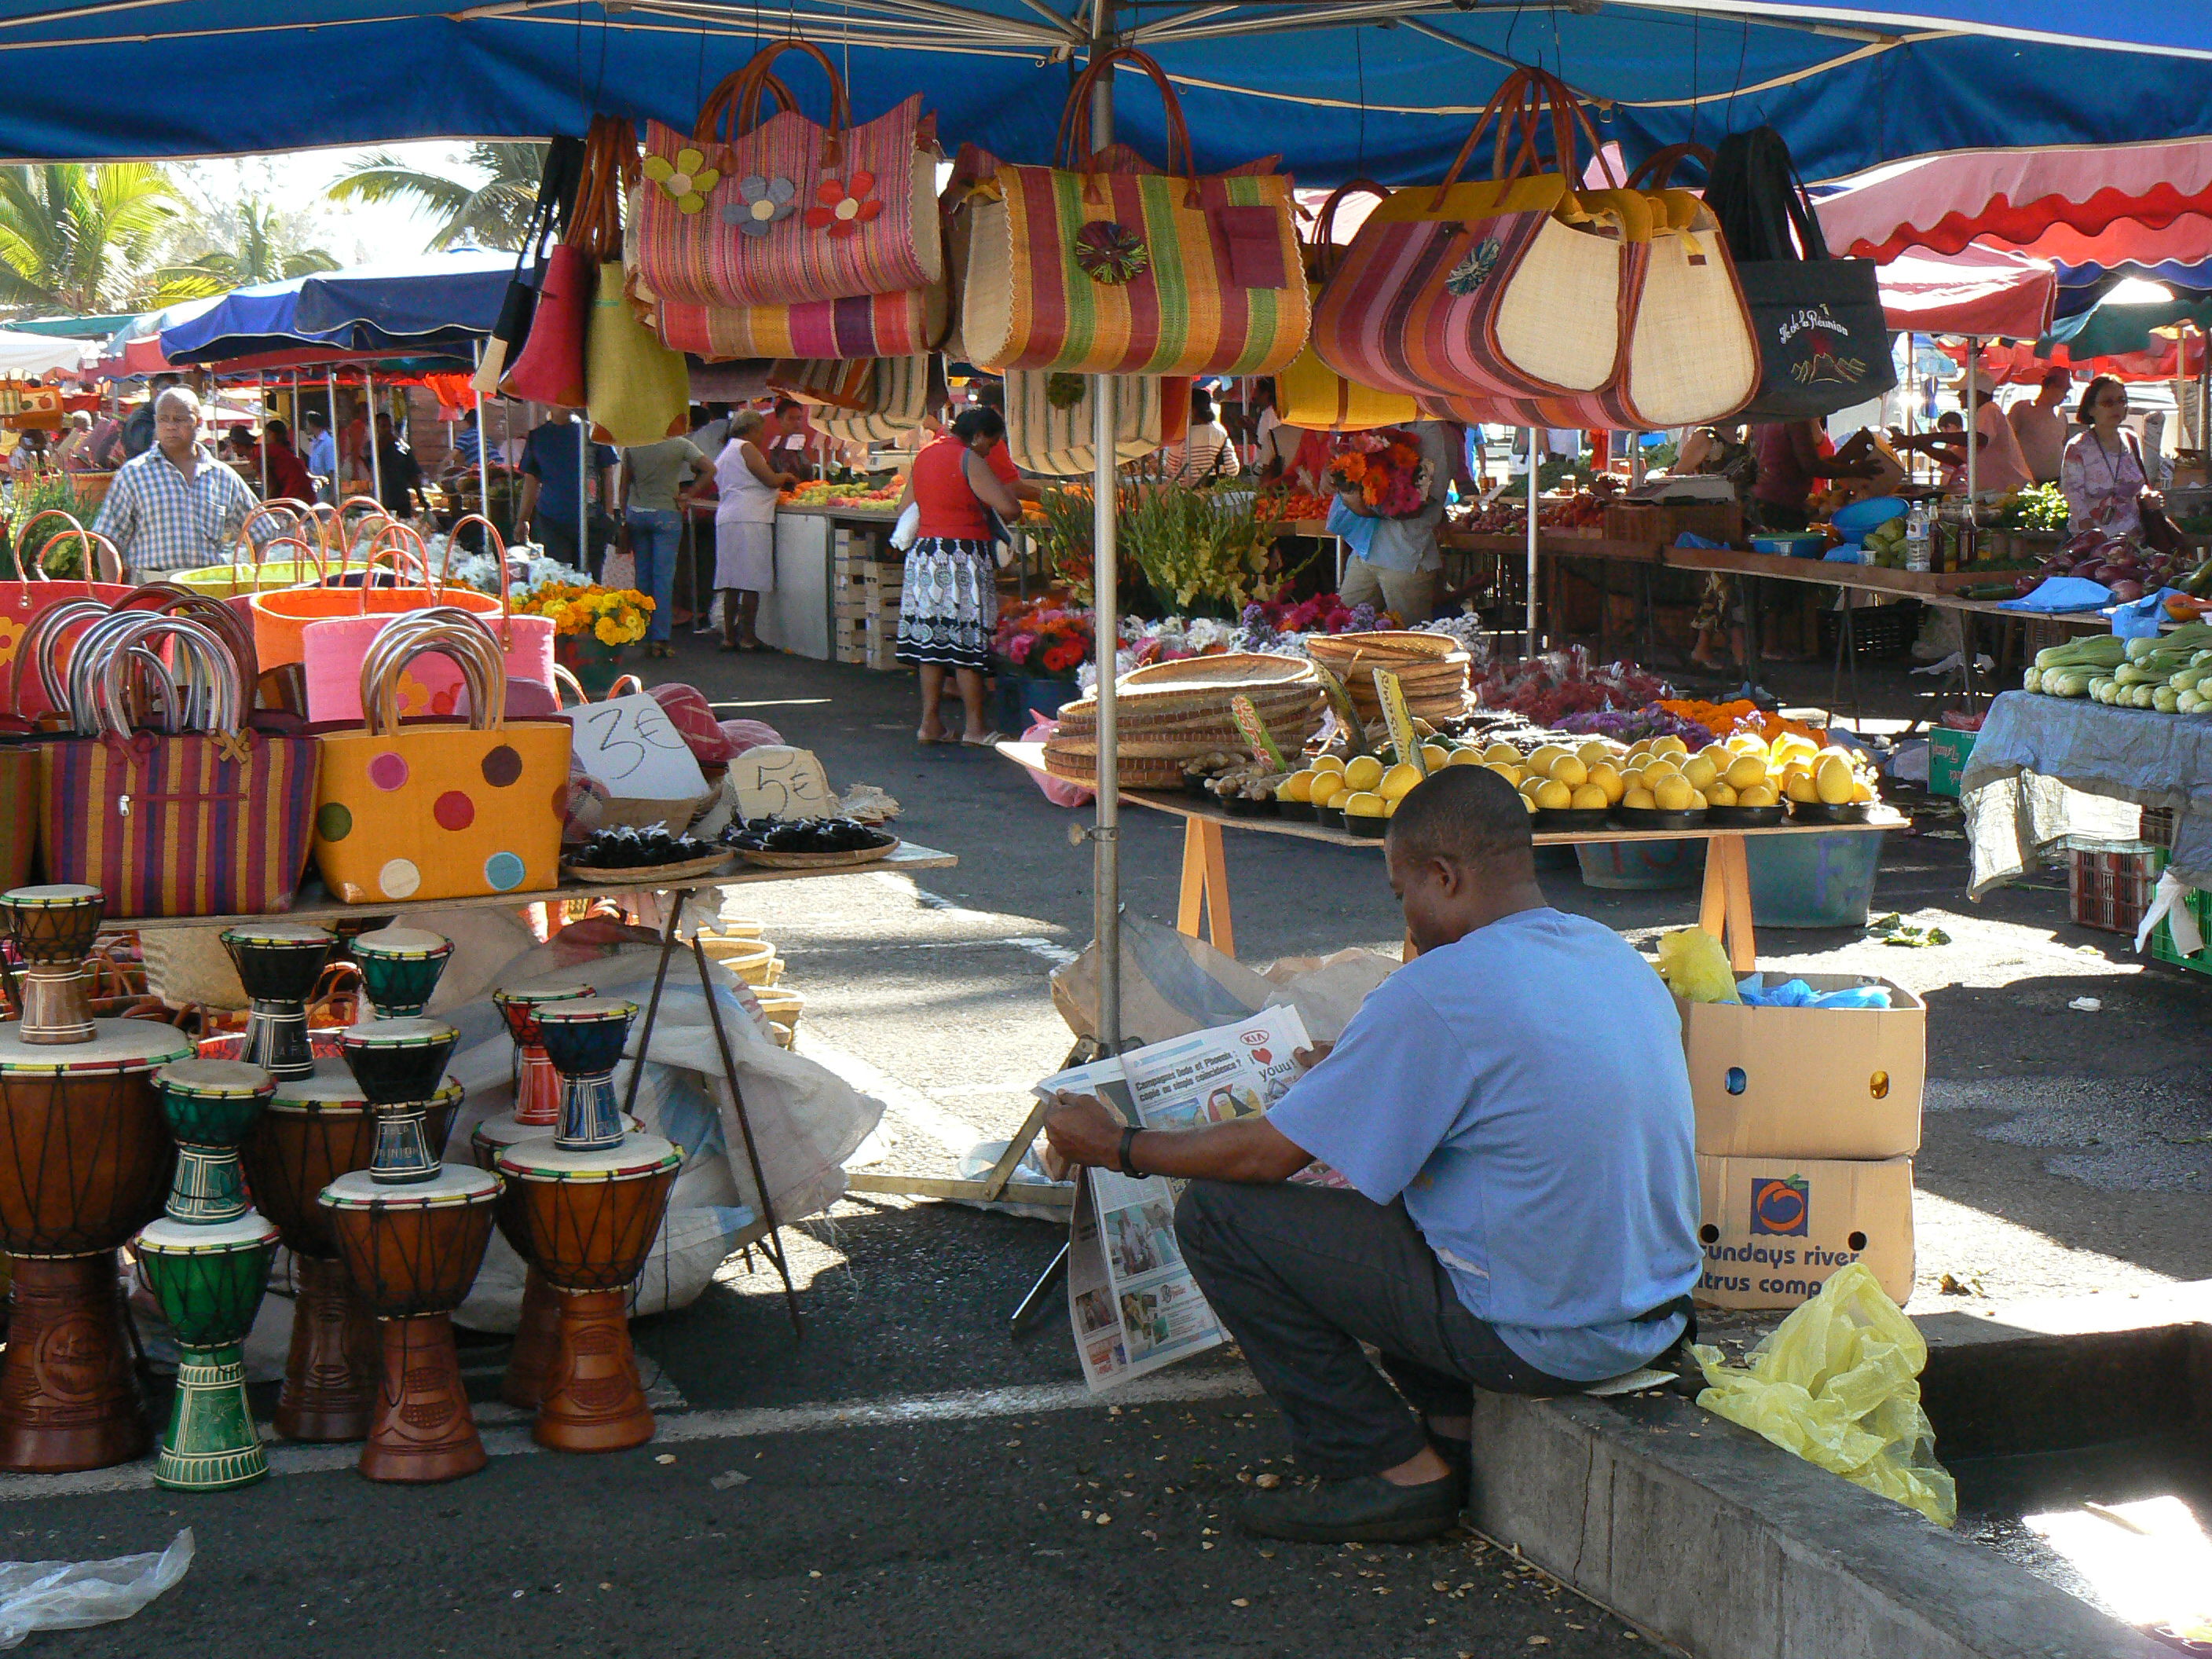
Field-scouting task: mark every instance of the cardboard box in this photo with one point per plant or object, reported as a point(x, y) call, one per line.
point(1808, 1082)
point(1773, 1228)
point(1948, 751)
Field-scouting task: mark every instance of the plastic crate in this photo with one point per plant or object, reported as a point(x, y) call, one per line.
point(2109, 886)
point(1947, 750)
point(2157, 826)
point(2161, 937)
point(1877, 630)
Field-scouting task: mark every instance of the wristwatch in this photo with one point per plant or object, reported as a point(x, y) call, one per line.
point(1128, 1139)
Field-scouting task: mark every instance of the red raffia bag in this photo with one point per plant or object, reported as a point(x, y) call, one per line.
point(550, 369)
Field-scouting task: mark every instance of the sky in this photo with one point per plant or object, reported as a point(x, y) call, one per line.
point(353, 233)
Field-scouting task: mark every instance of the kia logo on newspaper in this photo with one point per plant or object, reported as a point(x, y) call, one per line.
point(1254, 1040)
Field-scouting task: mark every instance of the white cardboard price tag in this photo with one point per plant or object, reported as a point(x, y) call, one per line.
point(629, 744)
point(779, 781)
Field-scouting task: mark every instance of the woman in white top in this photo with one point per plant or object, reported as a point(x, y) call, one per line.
point(2103, 476)
point(1207, 452)
point(744, 530)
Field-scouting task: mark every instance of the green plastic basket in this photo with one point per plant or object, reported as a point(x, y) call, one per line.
point(2161, 937)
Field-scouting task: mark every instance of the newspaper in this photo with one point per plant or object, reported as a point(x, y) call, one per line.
point(1133, 1304)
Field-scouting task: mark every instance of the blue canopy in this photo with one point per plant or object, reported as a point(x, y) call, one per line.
point(433, 304)
point(1339, 88)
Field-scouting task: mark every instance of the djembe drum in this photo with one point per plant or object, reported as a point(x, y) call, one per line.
point(278, 963)
point(53, 927)
point(208, 1260)
point(399, 968)
point(84, 1162)
point(412, 1232)
point(537, 1110)
point(583, 1207)
point(314, 1130)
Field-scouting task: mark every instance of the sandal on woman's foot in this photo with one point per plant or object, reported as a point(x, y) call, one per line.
point(942, 736)
point(988, 740)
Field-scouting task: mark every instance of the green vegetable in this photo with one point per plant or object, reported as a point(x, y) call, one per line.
point(2091, 651)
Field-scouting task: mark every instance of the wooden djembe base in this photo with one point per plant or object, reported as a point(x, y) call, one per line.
point(68, 1401)
point(331, 1370)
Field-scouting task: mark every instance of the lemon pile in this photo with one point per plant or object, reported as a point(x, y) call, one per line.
point(1557, 779)
point(1744, 769)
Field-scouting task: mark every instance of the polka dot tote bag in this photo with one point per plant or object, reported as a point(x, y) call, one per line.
point(438, 809)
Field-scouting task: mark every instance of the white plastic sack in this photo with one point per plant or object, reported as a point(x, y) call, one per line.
point(37, 1595)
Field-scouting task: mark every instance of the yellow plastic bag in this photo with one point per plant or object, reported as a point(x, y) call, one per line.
point(1695, 967)
point(1837, 1382)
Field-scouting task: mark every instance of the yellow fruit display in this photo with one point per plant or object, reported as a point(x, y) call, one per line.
point(1595, 753)
point(1792, 747)
point(1547, 757)
point(1603, 778)
point(1832, 781)
point(1797, 785)
point(1719, 794)
point(1464, 757)
point(1669, 746)
point(1589, 798)
point(1862, 792)
point(1744, 742)
point(1296, 786)
point(1552, 796)
point(1502, 751)
point(1570, 770)
point(1675, 795)
point(1434, 755)
point(1659, 774)
point(1329, 763)
point(1745, 770)
point(1363, 772)
point(1364, 804)
point(1699, 771)
point(1398, 783)
point(1511, 774)
point(1529, 801)
point(1758, 794)
point(1639, 800)
point(1529, 785)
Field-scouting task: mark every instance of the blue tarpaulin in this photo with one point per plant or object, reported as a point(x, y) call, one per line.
point(436, 303)
point(1382, 88)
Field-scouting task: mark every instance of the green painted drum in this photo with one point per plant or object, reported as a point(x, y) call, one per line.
point(399, 968)
point(209, 1281)
point(210, 1105)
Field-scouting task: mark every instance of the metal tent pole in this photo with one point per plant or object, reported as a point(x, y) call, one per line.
point(483, 440)
point(1534, 433)
point(261, 444)
point(584, 494)
point(1973, 418)
point(375, 449)
point(1105, 579)
point(331, 401)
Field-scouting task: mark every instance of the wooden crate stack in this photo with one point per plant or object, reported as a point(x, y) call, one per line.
point(866, 610)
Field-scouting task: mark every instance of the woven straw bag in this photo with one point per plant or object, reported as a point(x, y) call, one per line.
point(785, 211)
point(1311, 395)
point(899, 400)
point(1105, 265)
point(1051, 428)
point(1694, 356)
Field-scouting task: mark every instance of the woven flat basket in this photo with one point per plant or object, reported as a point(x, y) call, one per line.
point(1383, 648)
point(1133, 774)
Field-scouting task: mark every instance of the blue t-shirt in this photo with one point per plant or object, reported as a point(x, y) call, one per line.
point(549, 455)
point(1524, 1089)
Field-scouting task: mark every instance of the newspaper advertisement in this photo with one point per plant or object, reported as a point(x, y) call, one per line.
point(1133, 1304)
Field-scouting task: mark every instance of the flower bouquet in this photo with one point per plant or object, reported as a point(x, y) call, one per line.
point(1046, 638)
point(592, 626)
point(1384, 471)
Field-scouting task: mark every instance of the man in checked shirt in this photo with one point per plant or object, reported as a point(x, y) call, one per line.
point(176, 508)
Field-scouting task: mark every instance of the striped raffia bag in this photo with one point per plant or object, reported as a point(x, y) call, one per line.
point(1310, 394)
point(1051, 426)
point(898, 399)
point(785, 211)
point(1106, 265)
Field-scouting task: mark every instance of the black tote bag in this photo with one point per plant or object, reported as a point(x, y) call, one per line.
point(556, 200)
point(1823, 343)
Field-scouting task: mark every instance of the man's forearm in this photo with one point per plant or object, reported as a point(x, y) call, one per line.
point(1250, 1149)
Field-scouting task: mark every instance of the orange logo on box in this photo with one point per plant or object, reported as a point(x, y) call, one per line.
point(1781, 1205)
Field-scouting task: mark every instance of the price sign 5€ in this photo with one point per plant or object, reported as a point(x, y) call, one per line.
point(779, 781)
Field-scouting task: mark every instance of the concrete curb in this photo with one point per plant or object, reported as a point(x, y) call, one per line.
point(1706, 1535)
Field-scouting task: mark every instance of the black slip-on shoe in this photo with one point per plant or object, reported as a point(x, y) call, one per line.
point(1460, 1454)
point(1365, 1509)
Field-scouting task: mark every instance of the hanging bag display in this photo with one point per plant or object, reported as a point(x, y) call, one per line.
point(785, 211)
point(549, 216)
point(1518, 286)
point(636, 388)
point(206, 816)
point(1052, 425)
point(1693, 355)
point(550, 369)
point(1105, 265)
point(21, 700)
point(1311, 395)
point(1823, 341)
point(439, 810)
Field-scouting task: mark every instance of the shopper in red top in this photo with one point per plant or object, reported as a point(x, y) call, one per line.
point(950, 602)
point(288, 478)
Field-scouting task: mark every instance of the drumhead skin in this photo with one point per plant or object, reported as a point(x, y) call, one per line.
point(117, 1046)
point(53, 893)
point(542, 1160)
point(298, 934)
point(454, 1183)
point(412, 1032)
point(182, 1238)
point(406, 944)
point(216, 1079)
point(543, 990)
point(330, 1087)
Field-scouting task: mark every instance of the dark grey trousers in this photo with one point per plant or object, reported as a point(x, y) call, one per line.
point(1302, 1276)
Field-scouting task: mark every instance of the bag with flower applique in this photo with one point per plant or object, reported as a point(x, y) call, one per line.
point(783, 210)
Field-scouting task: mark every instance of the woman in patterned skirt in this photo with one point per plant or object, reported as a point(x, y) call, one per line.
point(950, 603)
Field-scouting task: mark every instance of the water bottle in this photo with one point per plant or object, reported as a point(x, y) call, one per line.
point(1916, 537)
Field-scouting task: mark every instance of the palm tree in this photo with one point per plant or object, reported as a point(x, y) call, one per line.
point(260, 251)
point(491, 211)
point(78, 238)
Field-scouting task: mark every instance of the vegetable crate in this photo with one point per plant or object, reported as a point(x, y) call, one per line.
point(2161, 937)
point(1877, 630)
point(865, 601)
point(1947, 751)
point(2158, 826)
point(2109, 886)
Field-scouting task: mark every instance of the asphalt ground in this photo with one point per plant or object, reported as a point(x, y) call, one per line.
point(904, 1480)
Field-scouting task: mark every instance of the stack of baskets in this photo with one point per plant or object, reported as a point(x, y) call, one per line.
point(1431, 668)
point(737, 946)
point(1173, 712)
